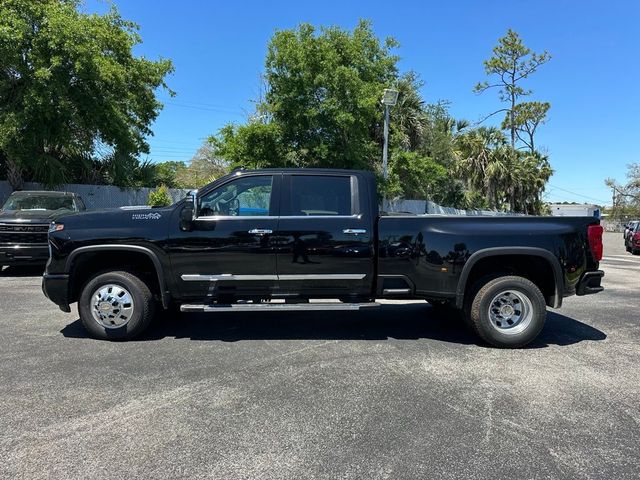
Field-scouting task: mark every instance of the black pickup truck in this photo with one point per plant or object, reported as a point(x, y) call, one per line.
point(24, 222)
point(303, 239)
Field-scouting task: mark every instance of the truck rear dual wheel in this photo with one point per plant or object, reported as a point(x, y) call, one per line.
point(116, 306)
point(506, 312)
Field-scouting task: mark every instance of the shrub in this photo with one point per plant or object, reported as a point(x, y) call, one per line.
point(160, 198)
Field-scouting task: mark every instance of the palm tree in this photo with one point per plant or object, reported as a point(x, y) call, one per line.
point(483, 162)
point(409, 116)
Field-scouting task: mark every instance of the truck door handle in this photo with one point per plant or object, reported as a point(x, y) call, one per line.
point(354, 231)
point(260, 231)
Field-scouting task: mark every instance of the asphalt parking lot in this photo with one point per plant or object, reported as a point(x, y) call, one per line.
point(399, 392)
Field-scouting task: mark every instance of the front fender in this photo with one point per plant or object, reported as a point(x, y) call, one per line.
point(131, 248)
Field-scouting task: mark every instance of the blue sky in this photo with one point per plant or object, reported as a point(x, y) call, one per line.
point(592, 81)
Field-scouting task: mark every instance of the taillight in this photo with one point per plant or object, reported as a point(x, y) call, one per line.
point(594, 233)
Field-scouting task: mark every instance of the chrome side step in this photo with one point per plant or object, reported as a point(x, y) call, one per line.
point(275, 307)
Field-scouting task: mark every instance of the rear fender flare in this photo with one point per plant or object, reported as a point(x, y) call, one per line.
point(499, 251)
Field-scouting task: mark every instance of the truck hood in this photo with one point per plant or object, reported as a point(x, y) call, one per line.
point(32, 216)
point(117, 223)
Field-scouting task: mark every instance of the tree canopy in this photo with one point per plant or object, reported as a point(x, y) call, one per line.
point(322, 104)
point(322, 108)
point(77, 105)
point(626, 196)
point(512, 63)
point(74, 99)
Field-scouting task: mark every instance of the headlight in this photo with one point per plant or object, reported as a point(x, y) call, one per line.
point(56, 227)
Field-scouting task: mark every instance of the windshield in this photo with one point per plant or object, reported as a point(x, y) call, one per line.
point(38, 202)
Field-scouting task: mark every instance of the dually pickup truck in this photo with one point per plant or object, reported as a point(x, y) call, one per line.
point(313, 239)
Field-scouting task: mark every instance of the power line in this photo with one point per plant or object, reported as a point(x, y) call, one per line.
point(578, 194)
point(198, 103)
point(153, 141)
point(170, 149)
point(229, 110)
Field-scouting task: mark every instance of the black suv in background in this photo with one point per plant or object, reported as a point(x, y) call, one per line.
point(24, 222)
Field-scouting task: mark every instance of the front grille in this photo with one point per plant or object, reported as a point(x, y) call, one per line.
point(23, 234)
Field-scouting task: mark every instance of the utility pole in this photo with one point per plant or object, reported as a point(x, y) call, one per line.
point(385, 148)
point(389, 99)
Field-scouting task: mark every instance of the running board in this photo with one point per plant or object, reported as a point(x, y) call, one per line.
point(275, 307)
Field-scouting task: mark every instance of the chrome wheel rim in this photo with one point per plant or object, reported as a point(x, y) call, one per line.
point(510, 312)
point(112, 306)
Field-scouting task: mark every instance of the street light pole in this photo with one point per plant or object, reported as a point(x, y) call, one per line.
point(385, 148)
point(389, 99)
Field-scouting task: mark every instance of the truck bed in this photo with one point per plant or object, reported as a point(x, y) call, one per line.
point(431, 253)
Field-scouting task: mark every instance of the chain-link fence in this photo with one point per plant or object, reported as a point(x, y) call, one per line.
point(99, 196)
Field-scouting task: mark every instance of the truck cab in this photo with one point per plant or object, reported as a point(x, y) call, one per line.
point(278, 234)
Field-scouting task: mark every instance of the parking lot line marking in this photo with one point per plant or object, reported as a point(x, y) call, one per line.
point(628, 260)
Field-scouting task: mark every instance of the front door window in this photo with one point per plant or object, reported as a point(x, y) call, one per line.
point(244, 197)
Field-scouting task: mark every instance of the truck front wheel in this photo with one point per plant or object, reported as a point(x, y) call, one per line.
point(116, 306)
point(506, 312)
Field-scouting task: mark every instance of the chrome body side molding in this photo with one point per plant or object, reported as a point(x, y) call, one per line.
point(230, 277)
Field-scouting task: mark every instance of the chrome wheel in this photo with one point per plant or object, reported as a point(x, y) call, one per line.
point(112, 306)
point(510, 312)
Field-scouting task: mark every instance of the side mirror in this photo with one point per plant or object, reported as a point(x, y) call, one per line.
point(193, 198)
point(189, 212)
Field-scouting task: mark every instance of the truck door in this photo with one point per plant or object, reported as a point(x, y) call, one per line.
point(229, 253)
point(325, 236)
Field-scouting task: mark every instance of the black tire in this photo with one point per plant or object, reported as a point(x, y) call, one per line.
point(635, 251)
point(524, 293)
point(143, 306)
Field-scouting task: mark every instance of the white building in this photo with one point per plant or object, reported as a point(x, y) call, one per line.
point(584, 210)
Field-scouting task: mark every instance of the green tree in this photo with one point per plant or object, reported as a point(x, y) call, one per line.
point(205, 166)
point(414, 176)
point(322, 101)
point(527, 116)
point(70, 86)
point(254, 145)
point(626, 196)
point(125, 170)
point(410, 118)
point(167, 173)
point(498, 176)
point(320, 107)
point(511, 63)
point(482, 164)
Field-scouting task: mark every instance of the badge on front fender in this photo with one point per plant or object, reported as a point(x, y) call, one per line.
point(146, 216)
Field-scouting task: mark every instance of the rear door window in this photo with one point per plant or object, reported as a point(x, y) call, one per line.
point(319, 195)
